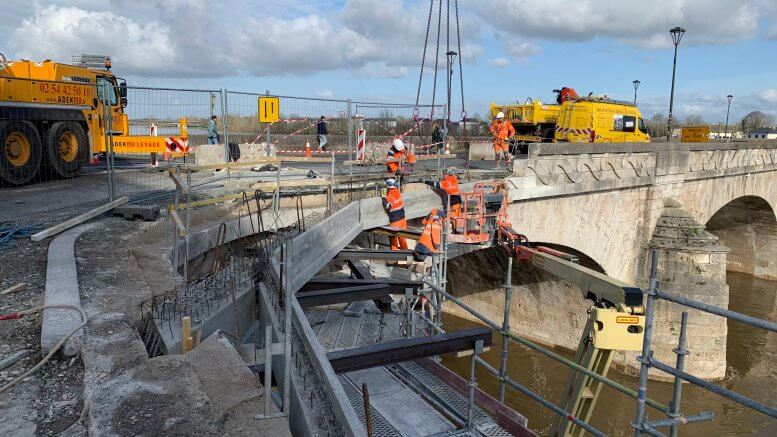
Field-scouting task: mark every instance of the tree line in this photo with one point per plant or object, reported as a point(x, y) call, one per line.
point(657, 124)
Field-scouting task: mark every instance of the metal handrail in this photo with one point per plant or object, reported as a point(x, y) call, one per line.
point(621, 388)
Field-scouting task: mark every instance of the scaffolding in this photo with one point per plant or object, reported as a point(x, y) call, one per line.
point(641, 424)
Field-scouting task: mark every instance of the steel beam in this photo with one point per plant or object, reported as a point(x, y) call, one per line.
point(343, 295)
point(397, 286)
point(367, 254)
point(397, 351)
point(409, 233)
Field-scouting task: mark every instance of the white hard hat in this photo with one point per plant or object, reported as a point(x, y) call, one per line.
point(500, 115)
point(398, 144)
point(391, 182)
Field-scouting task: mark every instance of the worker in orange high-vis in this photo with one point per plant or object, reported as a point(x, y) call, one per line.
point(431, 237)
point(502, 130)
point(395, 208)
point(450, 185)
point(396, 151)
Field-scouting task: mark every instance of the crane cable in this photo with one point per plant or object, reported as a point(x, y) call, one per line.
point(461, 83)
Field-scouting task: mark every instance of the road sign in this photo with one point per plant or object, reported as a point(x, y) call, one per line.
point(269, 109)
point(696, 134)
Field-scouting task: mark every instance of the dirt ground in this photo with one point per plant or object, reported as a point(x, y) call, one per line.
point(49, 401)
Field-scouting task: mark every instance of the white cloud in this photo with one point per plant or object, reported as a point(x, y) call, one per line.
point(522, 51)
point(499, 62)
point(144, 48)
point(769, 96)
point(643, 24)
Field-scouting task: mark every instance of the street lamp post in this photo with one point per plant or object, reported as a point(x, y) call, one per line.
point(636, 85)
point(677, 34)
point(728, 110)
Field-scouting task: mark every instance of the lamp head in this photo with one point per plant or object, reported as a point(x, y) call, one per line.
point(677, 34)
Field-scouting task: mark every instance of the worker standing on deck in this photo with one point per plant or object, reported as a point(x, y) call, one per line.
point(321, 134)
point(213, 134)
point(395, 208)
point(431, 237)
point(396, 151)
point(450, 185)
point(502, 131)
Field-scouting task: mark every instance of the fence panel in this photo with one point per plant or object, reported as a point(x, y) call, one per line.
point(297, 125)
point(166, 122)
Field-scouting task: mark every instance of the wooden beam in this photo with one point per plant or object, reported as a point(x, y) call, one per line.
point(178, 223)
point(77, 220)
point(386, 160)
point(267, 186)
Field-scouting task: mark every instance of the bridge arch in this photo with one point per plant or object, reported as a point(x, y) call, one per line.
point(747, 225)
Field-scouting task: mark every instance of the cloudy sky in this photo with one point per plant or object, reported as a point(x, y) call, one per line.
point(371, 49)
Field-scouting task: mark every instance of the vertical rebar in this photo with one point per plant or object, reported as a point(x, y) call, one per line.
point(472, 384)
point(367, 414)
point(505, 329)
point(678, 383)
point(645, 358)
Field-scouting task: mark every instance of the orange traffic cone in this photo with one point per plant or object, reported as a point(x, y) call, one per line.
point(308, 153)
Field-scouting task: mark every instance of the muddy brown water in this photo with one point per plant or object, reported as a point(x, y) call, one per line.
point(751, 371)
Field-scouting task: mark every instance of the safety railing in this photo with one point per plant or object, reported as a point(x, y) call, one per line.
point(674, 417)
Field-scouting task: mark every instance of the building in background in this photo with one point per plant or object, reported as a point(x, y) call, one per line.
point(769, 133)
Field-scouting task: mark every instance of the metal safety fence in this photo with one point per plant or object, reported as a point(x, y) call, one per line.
point(674, 417)
point(123, 140)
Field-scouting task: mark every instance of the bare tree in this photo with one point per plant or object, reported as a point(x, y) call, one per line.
point(756, 120)
point(656, 125)
point(694, 120)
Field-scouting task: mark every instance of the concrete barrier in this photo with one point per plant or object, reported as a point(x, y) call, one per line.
point(62, 289)
point(209, 154)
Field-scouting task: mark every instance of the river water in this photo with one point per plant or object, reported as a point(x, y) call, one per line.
point(751, 371)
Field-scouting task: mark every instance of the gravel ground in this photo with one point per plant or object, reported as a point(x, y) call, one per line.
point(49, 401)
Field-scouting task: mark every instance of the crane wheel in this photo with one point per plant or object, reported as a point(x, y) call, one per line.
point(21, 152)
point(67, 148)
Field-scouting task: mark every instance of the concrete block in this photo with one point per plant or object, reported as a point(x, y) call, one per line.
point(130, 211)
point(209, 154)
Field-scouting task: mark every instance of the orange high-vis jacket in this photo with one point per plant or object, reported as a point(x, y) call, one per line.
point(392, 167)
point(395, 207)
point(431, 237)
point(503, 130)
point(450, 184)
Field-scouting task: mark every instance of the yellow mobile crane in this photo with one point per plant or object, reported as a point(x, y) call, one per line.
point(616, 320)
point(56, 114)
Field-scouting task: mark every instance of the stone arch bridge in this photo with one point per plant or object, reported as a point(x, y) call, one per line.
point(707, 208)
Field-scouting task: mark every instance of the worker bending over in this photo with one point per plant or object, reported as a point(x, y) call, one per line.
point(395, 208)
point(431, 237)
point(502, 131)
point(398, 151)
point(450, 185)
